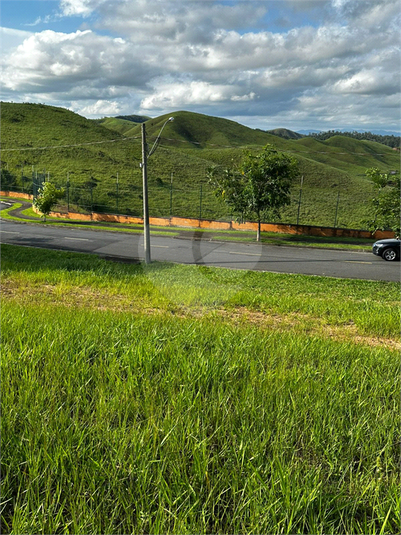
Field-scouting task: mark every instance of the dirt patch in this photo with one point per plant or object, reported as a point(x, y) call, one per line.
point(99, 299)
point(307, 324)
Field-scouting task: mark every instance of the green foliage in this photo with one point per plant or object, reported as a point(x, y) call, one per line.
point(7, 179)
point(47, 197)
point(379, 179)
point(63, 144)
point(261, 185)
point(386, 203)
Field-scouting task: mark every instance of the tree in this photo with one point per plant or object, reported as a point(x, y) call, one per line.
point(47, 197)
point(386, 204)
point(259, 187)
point(7, 179)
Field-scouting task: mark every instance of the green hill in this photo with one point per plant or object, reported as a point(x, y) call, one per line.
point(134, 118)
point(123, 123)
point(285, 133)
point(101, 161)
point(116, 124)
point(203, 131)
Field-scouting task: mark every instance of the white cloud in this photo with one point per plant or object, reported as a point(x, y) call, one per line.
point(55, 61)
point(179, 95)
point(83, 8)
point(368, 82)
point(100, 107)
point(10, 39)
point(232, 56)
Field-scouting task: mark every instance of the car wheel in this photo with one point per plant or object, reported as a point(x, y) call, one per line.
point(390, 254)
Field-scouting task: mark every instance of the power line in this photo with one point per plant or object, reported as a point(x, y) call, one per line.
point(189, 142)
point(71, 146)
point(283, 150)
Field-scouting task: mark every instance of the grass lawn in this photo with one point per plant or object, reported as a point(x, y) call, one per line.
point(186, 399)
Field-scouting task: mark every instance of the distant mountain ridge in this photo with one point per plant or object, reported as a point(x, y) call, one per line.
point(134, 118)
point(126, 123)
point(343, 130)
point(389, 140)
point(285, 133)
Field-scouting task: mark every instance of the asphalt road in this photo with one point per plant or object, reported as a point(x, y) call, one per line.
point(200, 250)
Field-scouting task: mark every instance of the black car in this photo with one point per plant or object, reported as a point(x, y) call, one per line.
point(387, 249)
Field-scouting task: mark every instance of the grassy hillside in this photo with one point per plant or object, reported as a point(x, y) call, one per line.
point(92, 154)
point(285, 133)
point(117, 124)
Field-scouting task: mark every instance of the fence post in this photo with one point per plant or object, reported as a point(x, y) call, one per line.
point(171, 196)
point(117, 194)
point(200, 204)
point(68, 192)
point(335, 219)
point(299, 205)
point(300, 197)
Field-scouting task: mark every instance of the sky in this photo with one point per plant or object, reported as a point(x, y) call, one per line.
point(296, 64)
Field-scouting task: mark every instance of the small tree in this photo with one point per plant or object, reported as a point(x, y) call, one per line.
point(386, 204)
point(260, 187)
point(47, 197)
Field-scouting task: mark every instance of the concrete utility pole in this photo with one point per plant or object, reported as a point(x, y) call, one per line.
point(144, 166)
point(146, 230)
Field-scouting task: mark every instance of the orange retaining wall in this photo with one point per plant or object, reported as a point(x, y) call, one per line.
point(280, 228)
point(17, 195)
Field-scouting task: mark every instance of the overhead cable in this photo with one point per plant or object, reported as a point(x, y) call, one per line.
point(185, 141)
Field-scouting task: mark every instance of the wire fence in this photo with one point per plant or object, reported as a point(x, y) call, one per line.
point(167, 198)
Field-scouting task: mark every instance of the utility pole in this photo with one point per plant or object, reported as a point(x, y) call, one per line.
point(144, 165)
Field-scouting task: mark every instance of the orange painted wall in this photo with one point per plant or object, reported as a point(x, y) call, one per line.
point(16, 194)
point(182, 222)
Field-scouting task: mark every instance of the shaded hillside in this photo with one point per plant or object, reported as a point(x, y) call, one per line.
point(116, 124)
point(134, 118)
point(285, 133)
point(102, 163)
point(121, 123)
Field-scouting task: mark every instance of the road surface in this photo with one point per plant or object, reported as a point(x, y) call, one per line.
point(200, 250)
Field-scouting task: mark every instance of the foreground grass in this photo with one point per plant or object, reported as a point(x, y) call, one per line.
point(175, 399)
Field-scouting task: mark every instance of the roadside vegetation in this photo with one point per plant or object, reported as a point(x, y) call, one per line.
point(186, 399)
point(98, 166)
point(273, 238)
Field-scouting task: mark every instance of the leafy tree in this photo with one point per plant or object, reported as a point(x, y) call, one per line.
point(47, 197)
point(7, 179)
point(259, 187)
point(386, 203)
